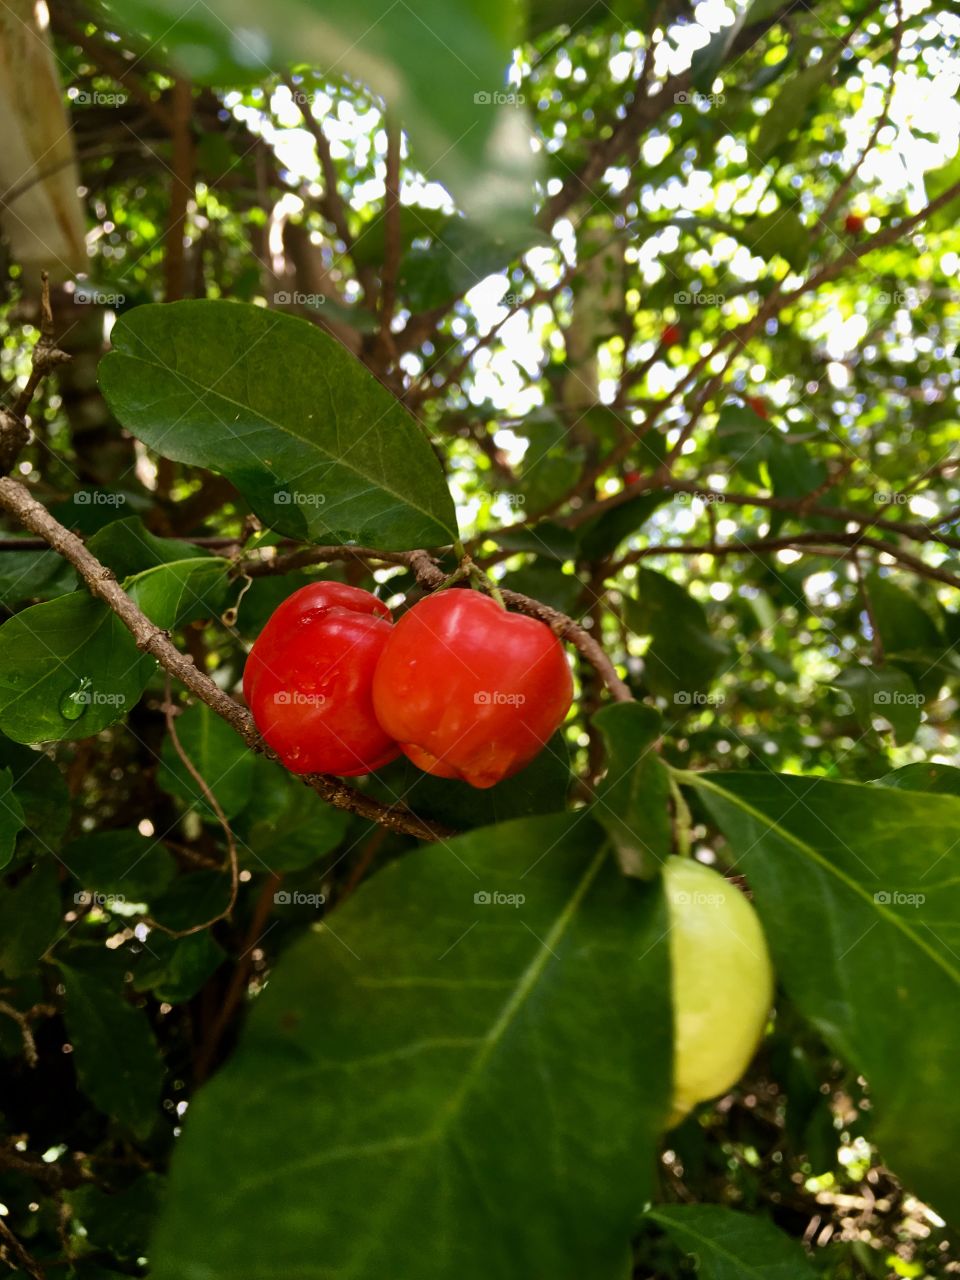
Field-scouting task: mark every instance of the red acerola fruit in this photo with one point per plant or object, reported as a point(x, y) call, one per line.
point(758, 405)
point(469, 690)
point(631, 477)
point(671, 335)
point(853, 224)
point(309, 676)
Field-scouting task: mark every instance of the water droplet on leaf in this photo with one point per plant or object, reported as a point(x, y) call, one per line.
point(75, 701)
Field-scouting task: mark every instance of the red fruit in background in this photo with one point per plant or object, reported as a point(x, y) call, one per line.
point(468, 690)
point(308, 680)
point(631, 477)
point(853, 224)
point(671, 335)
point(758, 405)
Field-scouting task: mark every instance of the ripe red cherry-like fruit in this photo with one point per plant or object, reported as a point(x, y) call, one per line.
point(469, 690)
point(671, 335)
point(308, 680)
point(853, 224)
point(758, 405)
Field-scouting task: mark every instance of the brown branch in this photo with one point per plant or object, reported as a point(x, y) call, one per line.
point(181, 190)
point(154, 640)
point(14, 431)
point(23, 1022)
point(393, 244)
point(19, 1258)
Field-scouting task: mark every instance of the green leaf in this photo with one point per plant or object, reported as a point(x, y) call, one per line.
point(33, 575)
point(886, 692)
point(547, 583)
point(779, 233)
point(175, 969)
point(398, 1054)
point(128, 547)
point(11, 817)
point(438, 67)
point(218, 754)
point(124, 864)
point(546, 539)
point(911, 638)
point(120, 1220)
point(193, 899)
point(30, 918)
point(68, 668)
point(286, 825)
point(732, 1246)
point(941, 778)
point(602, 535)
point(308, 435)
point(708, 59)
point(683, 655)
point(633, 797)
point(42, 792)
point(858, 888)
point(791, 103)
point(173, 594)
point(114, 1052)
point(541, 787)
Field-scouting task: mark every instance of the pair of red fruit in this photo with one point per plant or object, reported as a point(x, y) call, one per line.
point(459, 685)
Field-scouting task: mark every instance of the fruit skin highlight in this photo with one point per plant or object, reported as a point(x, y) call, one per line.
point(469, 690)
point(722, 983)
point(308, 680)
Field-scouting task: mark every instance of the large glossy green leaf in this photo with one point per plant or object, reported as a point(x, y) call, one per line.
point(30, 919)
point(632, 798)
point(944, 778)
point(123, 864)
point(732, 1246)
point(309, 436)
point(441, 1081)
point(885, 692)
point(114, 1052)
point(441, 67)
point(68, 668)
point(859, 891)
point(42, 792)
point(172, 594)
point(285, 825)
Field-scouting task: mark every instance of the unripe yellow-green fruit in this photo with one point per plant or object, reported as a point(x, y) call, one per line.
point(722, 982)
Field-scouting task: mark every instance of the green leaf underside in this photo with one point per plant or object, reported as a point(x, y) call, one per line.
point(632, 798)
point(442, 1087)
point(879, 870)
point(732, 1246)
point(328, 454)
